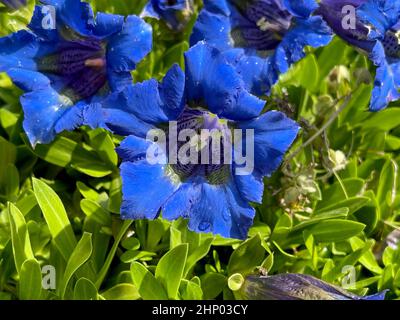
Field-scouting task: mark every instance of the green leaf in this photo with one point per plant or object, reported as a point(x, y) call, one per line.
point(334, 193)
point(8, 156)
point(65, 152)
point(170, 269)
point(10, 183)
point(115, 196)
point(131, 244)
point(16, 20)
point(387, 278)
point(333, 230)
point(96, 212)
point(101, 141)
point(392, 142)
point(85, 290)
point(190, 290)
point(175, 54)
point(384, 120)
point(87, 192)
point(308, 80)
point(247, 256)
point(122, 291)
point(79, 256)
point(103, 272)
point(212, 284)
point(387, 188)
point(352, 204)
point(56, 218)
point(30, 281)
point(21, 245)
point(368, 259)
point(337, 49)
point(130, 256)
point(148, 286)
point(197, 254)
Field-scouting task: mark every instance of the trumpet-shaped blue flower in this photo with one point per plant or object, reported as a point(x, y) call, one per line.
point(175, 13)
point(263, 38)
point(210, 193)
point(375, 29)
point(68, 61)
point(297, 287)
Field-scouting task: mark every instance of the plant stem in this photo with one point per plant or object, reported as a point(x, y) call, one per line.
point(103, 272)
point(320, 131)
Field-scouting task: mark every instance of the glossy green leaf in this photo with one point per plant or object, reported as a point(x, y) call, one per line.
point(148, 286)
point(122, 291)
point(21, 245)
point(30, 282)
point(170, 269)
point(56, 218)
point(79, 256)
point(247, 256)
point(85, 290)
point(96, 212)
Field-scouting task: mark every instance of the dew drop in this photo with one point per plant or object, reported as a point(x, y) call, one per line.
point(203, 226)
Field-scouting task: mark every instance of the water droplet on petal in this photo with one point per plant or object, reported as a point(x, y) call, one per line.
point(203, 226)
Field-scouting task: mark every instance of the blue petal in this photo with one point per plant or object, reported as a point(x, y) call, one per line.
point(380, 16)
point(140, 106)
point(144, 101)
point(73, 13)
point(257, 73)
point(181, 202)
point(170, 12)
point(118, 80)
point(145, 188)
point(128, 47)
point(28, 80)
point(113, 114)
point(273, 135)
point(217, 6)
point(311, 32)
point(251, 187)
point(221, 210)
point(107, 24)
point(42, 109)
point(36, 24)
point(149, 11)
point(71, 119)
point(212, 28)
point(133, 149)
point(301, 8)
point(18, 50)
point(377, 296)
point(387, 81)
point(212, 81)
point(172, 92)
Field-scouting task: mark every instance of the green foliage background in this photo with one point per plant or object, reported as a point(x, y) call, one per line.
point(332, 204)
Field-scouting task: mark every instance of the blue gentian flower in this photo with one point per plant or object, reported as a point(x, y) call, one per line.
point(14, 4)
point(175, 13)
point(210, 95)
point(376, 32)
point(296, 287)
point(262, 37)
point(68, 61)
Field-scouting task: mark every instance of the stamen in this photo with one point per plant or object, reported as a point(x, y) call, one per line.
point(95, 63)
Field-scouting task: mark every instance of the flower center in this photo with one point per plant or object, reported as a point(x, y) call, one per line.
point(82, 66)
point(203, 147)
point(262, 25)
